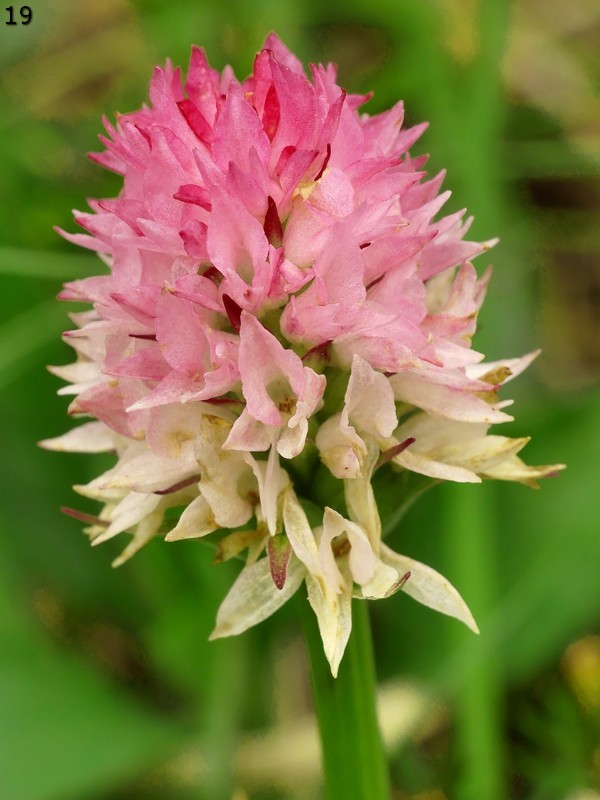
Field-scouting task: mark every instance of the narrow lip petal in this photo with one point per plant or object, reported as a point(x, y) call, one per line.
point(334, 617)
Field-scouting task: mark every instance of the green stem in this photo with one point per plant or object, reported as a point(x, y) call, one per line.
point(354, 761)
point(479, 714)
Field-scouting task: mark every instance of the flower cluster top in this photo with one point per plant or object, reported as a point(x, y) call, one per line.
point(281, 289)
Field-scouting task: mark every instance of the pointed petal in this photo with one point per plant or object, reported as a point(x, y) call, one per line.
point(421, 463)
point(334, 616)
point(134, 507)
point(515, 365)
point(300, 533)
point(197, 520)
point(447, 401)
point(141, 470)
point(429, 587)
point(144, 532)
point(513, 469)
point(254, 597)
point(91, 437)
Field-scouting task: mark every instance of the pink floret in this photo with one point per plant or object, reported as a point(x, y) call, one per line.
point(272, 198)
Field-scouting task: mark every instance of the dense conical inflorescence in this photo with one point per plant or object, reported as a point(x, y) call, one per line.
point(281, 288)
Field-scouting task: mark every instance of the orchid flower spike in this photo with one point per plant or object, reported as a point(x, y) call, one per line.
point(281, 289)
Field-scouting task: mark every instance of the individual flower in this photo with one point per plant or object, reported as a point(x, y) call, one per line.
point(281, 288)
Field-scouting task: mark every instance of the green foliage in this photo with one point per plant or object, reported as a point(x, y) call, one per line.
point(66, 730)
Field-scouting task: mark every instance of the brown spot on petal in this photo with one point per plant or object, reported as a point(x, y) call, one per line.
point(497, 376)
point(279, 551)
point(341, 546)
point(287, 406)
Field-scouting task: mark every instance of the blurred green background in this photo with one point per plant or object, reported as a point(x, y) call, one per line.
point(109, 689)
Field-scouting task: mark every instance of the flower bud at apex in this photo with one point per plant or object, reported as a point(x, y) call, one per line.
point(282, 284)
